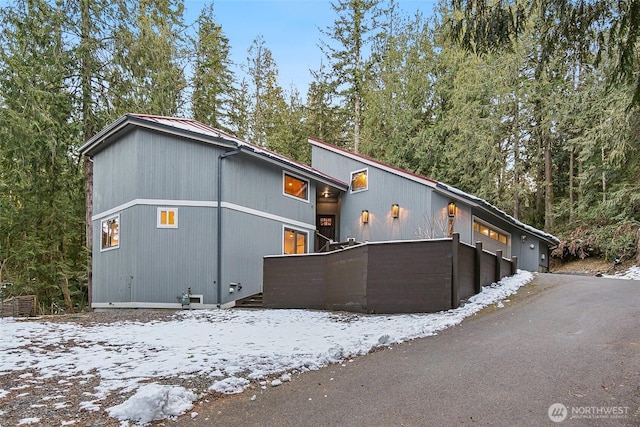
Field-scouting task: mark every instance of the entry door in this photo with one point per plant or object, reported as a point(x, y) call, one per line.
point(327, 227)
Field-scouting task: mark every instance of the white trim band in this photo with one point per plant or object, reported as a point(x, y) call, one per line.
point(159, 305)
point(202, 204)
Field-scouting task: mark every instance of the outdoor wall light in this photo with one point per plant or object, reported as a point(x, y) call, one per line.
point(365, 216)
point(395, 210)
point(452, 209)
point(523, 238)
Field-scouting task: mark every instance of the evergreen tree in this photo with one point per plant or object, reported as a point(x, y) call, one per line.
point(269, 104)
point(324, 119)
point(212, 81)
point(352, 32)
point(147, 75)
point(41, 209)
point(397, 96)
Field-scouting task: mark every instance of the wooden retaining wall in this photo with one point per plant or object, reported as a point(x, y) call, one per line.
point(20, 306)
point(384, 277)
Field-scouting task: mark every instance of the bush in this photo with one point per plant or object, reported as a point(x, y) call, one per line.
point(599, 240)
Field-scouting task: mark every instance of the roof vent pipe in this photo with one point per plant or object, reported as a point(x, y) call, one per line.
point(219, 209)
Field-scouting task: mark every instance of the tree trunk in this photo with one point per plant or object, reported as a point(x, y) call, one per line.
point(604, 179)
point(64, 287)
point(548, 184)
point(571, 201)
point(638, 248)
point(516, 162)
point(88, 188)
point(88, 124)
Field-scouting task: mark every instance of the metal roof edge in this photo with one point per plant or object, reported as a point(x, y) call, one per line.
point(95, 140)
point(444, 188)
point(495, 211)
point(207, 134)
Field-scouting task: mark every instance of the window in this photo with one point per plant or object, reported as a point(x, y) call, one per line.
point(359, 180)
point(490, 232)
point(167, 218)
point(326, 221)
point(296, 187)
point(110, 233)
point(295, 241)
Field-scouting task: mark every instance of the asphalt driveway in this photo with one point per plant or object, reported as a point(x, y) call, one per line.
point(565, 350)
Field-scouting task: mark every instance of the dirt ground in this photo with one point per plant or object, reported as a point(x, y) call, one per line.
point(588, 266)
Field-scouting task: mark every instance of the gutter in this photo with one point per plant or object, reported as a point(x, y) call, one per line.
point(221, 157)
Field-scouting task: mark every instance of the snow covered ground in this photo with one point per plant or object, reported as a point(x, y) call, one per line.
point(632, 273)
point(234, 348)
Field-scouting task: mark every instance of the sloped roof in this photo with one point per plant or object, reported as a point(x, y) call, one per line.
point(192, 129)
point(440, 187)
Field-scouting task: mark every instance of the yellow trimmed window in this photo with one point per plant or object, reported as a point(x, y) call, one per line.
point(360, 180)
point(296, 187)
point(295, 241)
point(167, 218)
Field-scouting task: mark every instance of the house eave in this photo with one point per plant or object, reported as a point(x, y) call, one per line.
point(129, 121)
point(94, 144)
point(460, 195)
point(372, 162)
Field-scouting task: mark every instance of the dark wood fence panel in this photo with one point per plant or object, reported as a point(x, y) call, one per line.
point(505, 268)
point(409, 277)
point(467, 261)
point(487, 268)
point(383, 277)
point(346, 279)
point(294, 282)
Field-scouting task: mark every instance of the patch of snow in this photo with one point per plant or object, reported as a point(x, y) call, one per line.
point(232, 347)
point(633, 273)
point(154, 402)
point(231, 385)
point(276, 383)
point(90, 405)
point(27, 421)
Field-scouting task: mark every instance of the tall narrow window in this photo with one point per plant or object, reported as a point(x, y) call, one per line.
point(359, 180)
point(167, 218)
point(110, 229)
point(295, 241)
point(296, 187)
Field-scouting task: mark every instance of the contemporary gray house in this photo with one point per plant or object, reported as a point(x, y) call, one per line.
point(399, 205)
point(180, 208)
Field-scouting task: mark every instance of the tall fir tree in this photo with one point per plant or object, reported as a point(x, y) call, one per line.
point(41, 210)
point(212, 80)
point(147, 74)
point(350, 39)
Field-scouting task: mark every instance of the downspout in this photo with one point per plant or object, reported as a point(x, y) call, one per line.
point(219, 208)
